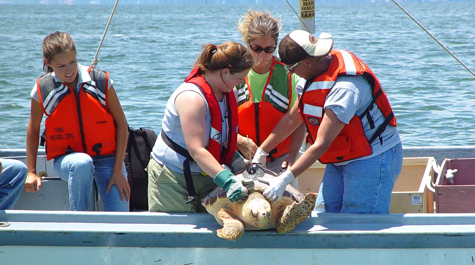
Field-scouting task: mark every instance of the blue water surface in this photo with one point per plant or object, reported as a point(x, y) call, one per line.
point(150, 49)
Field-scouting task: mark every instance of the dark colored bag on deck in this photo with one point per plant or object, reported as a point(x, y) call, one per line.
point(137, 156)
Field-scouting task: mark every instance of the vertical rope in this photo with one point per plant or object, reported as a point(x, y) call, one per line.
point(95, 60)
point(422, 27)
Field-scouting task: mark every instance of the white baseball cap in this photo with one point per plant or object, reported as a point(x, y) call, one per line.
point(300, 44)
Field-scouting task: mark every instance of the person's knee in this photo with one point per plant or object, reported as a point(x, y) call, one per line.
point(22, 171)
point(82, 161)
point(80, 169)
point(18, 171)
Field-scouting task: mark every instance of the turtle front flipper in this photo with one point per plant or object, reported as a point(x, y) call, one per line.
point(232, 229)
point(296, 213)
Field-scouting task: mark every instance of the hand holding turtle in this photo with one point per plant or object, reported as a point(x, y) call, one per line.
point(257, 212)
point(234, 189)
point(277, 185)
point(260, 157)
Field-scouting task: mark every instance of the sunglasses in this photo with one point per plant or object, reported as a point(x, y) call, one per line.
point(258, 49)
point(290, 68)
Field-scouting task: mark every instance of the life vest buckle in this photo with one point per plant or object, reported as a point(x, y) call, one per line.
point(190, 199)
point(97, 148)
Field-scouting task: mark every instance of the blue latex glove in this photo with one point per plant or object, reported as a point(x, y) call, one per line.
point(234, 189)
point(277, 185)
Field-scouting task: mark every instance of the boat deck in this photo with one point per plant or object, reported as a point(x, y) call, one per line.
point(62, 228)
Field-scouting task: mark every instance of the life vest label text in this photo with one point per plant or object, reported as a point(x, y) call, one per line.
point(61, 136)
point(56, 137)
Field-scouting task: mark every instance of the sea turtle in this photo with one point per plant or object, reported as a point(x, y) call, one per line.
point(256, 212)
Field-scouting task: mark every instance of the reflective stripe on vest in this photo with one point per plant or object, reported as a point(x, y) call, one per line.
point(277, 89)
point(77, 123)
point(258, 119)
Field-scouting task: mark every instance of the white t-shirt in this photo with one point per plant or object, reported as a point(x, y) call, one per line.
point(352, 95)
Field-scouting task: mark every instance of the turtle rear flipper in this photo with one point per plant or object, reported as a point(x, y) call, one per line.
point(232, 229)
point(296, 213)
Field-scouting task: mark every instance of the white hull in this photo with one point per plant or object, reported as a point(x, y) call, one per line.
point(159, 238)
point(208, 256)
point(64, 237)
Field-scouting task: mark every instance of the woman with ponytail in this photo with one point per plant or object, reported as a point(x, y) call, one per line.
point(199, 133)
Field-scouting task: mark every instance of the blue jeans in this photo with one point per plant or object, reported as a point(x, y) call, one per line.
point(79, 170)
point(362, 186)
point(12, 180)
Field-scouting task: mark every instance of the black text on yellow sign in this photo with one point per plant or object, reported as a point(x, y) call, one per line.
point(307, 8)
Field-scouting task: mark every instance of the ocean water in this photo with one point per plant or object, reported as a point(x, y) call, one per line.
point(150, 49)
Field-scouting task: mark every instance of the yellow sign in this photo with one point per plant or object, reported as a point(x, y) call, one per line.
point(307, 8)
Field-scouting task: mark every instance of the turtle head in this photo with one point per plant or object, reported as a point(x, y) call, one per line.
point(257, 211)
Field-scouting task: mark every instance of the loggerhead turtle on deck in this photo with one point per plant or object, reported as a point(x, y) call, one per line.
point(256, 212)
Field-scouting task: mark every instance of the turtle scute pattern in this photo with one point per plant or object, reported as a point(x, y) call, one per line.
point(256, 212)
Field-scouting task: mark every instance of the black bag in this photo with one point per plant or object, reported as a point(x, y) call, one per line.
point(137, 156)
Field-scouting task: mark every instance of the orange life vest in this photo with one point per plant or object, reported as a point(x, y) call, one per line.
point(258, 119)
point(77, 123)
point(223, 156)
point(351, 143)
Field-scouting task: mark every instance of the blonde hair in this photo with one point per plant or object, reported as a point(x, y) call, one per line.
point(255, 24)
point(231, 55)
point(54, 44)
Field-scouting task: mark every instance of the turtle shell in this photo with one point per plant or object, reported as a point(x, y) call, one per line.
point(249, 179)
point(255, 212)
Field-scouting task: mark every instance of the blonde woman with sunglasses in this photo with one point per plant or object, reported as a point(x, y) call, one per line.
point(267, 93)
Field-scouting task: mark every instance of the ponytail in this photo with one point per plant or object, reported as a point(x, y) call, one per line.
point(229, 55)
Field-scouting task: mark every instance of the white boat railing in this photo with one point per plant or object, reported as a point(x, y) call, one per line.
point(93, 237)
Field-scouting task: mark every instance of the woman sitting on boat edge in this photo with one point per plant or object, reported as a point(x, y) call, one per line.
point(85, 127)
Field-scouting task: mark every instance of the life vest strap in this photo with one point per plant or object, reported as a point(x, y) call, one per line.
point(383, 126)
point(271, 155)
point(186, 165)
point(381, 129)
point(370, 106)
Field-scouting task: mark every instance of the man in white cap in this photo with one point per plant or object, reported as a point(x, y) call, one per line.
point(350, 127)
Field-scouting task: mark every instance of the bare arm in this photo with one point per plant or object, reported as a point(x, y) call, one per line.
point(191, 109)
point(117, 177)
point(33, 182)
point(331, 126)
